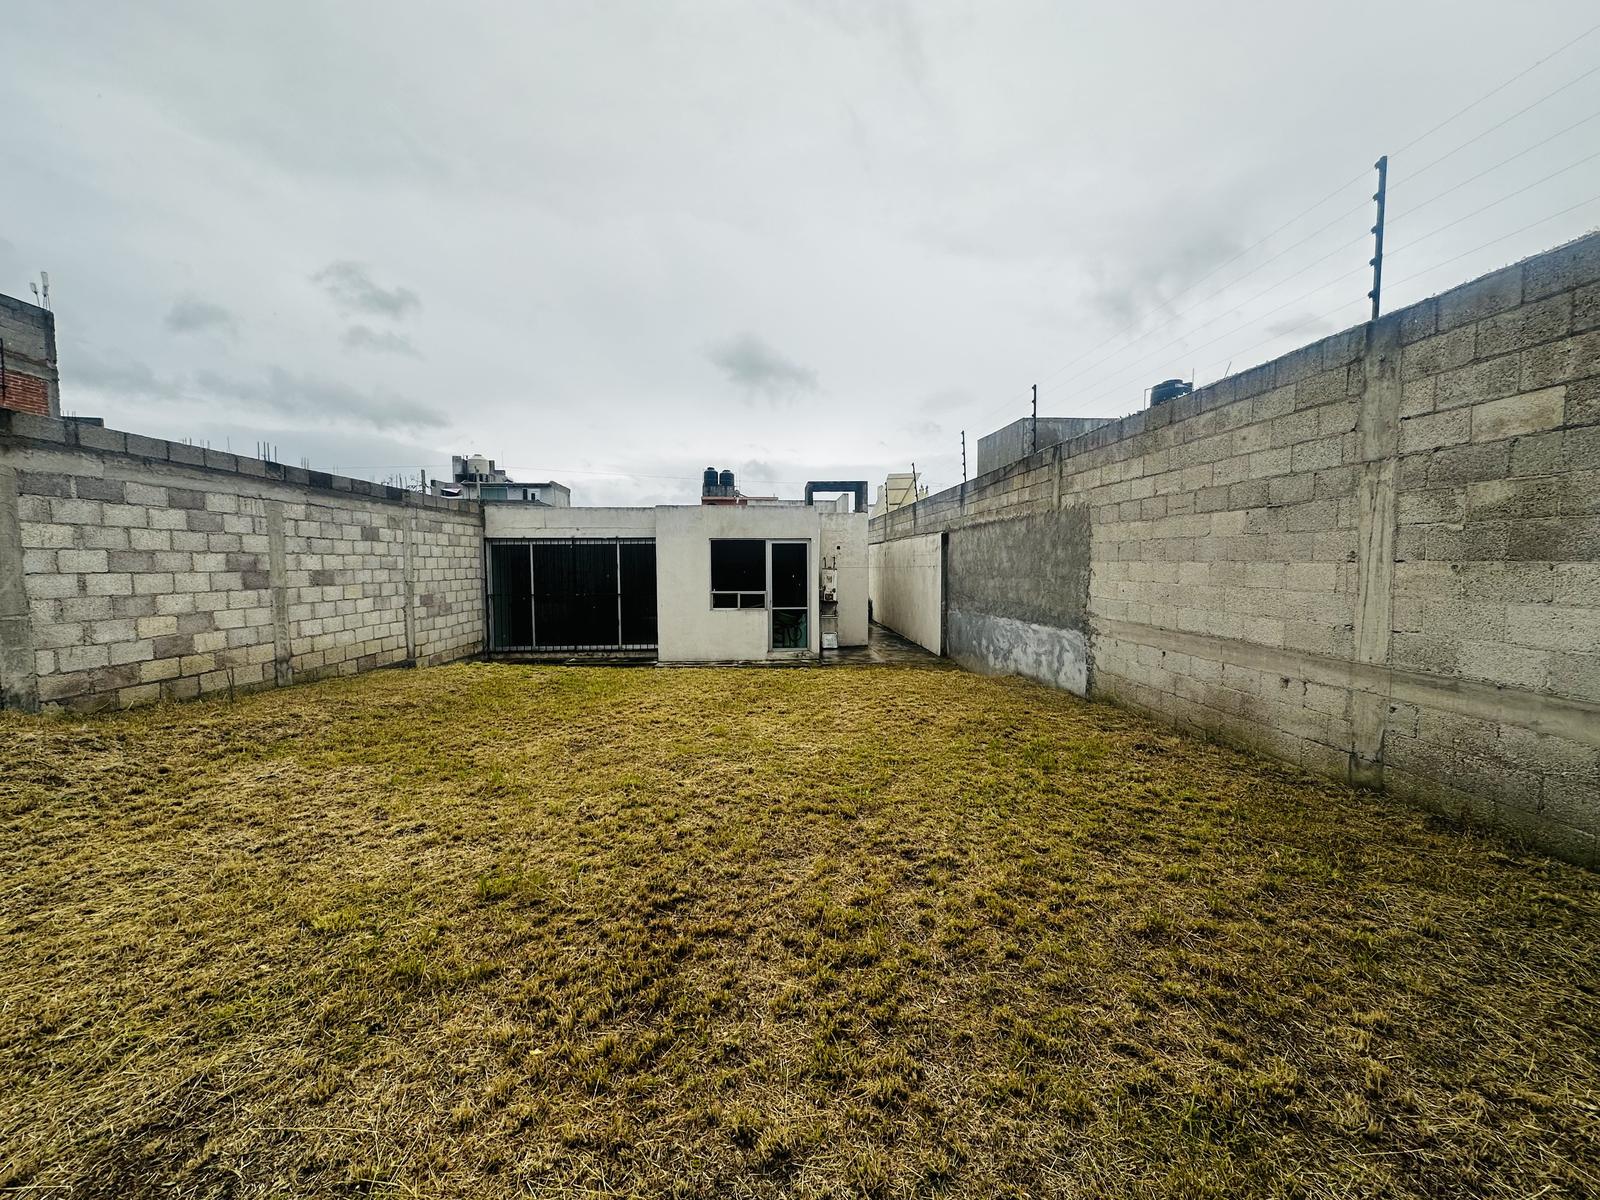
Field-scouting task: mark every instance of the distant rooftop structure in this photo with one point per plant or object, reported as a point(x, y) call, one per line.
point(1016, 441)
point(896, 491)
point(475, 477)
point(28, 379)
point(717, 487)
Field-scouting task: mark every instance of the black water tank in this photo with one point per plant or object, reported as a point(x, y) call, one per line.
point(1169, 389)
point(726, 480)
point(708, 487)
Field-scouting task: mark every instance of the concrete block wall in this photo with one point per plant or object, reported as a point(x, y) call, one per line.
point(28, 378)
point(1016, 440)
point(1377, 557)
point(134, 570)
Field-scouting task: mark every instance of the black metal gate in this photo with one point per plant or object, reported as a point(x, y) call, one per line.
point(571, 594)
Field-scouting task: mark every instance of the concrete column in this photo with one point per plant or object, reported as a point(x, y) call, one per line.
point(19, 685)
point(278, 578)
point(408, 534)
point(1378, 428)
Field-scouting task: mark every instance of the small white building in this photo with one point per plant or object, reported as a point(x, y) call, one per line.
point(685, 583)
point(475, 477)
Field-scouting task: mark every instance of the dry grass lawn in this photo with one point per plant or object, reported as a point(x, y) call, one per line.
point(495, 930)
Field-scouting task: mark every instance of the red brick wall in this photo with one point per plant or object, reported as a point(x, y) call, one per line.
point(25, 394)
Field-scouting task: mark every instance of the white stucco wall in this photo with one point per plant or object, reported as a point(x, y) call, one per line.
point(906, 586)
point(690, 629)
point(516, 520)
point(844, 537)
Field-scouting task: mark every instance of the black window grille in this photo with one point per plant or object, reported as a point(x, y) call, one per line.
point(572, 594)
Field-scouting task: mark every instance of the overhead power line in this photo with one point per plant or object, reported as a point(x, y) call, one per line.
point(1421, 137)
point(1495, 91)
point(1494, 203)
point(1509, 159)
point(1278, 335)
point(1499, 124)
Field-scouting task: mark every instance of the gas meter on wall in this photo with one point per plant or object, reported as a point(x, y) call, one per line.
point(830, 585)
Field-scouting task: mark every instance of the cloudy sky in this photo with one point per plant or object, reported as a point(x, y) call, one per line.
point(614, 243)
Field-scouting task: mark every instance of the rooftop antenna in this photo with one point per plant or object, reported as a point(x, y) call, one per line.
point(44, 278)
point(34, 288)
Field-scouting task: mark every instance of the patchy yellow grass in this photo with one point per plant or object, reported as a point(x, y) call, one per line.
point(495, 930)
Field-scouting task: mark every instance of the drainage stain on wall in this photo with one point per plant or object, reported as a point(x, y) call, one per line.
point(1019, 597)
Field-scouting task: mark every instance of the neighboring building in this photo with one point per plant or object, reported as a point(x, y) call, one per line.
point(899, 489)
point(476, 478)
point(717, 487)
point(681, 583)
point(1017, 440)
point(28, 379)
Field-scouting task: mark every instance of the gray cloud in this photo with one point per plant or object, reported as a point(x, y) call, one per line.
point(191, 314)
point(939, 230)
point(1141, 285)
point(385, 341)
point(891, 20)
point(118, 376)
point(751, 364)
point(352, 288)
point(304, 398)
point(324, 401)
point(947, 400)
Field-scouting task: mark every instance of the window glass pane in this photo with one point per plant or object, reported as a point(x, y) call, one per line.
point(724, 600)
point(789, 575)
point(753, 600)
point(788, 629)
point(738, 565)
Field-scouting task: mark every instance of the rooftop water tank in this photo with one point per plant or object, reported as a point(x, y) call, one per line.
point(726, 481)
point(1169, 389)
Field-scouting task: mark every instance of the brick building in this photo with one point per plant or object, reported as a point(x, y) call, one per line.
point(28, 380)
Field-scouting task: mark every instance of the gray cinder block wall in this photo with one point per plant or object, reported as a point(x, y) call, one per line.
point(133, 570)
point(1017, 440)
point(28, 378)
point(1377, 557)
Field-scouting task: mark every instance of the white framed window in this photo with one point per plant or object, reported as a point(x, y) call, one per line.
point(738, 573)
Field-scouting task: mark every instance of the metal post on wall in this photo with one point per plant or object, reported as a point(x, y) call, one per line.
point(963, 456)
point(1380, 196)
point(1033, 436)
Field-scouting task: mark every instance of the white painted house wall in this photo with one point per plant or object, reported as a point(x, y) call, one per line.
point(844, 536)
point(688, 628)
point(906, 593)
point(516, 520)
